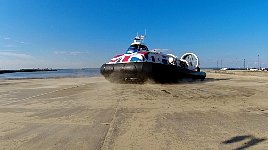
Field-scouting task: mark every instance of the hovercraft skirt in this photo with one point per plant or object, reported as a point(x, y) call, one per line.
point(141, 71)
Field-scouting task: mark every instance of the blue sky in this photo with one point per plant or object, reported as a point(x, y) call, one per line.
point(87, 33)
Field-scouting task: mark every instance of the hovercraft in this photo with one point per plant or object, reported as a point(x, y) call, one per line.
point(139, 64)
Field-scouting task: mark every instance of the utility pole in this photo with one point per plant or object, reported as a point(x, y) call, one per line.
point(217, 64)
point(221, 63)
point(259, 62)
point(244, 63)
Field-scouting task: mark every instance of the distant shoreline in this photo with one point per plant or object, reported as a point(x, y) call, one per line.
point(25, 70)
point(47, 73)
point(41, 78)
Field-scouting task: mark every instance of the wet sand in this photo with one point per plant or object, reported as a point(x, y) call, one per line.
point(229, 110)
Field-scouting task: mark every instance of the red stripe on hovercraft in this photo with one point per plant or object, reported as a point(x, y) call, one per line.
point(144, 53)
point(126, 59)
point(113, 60)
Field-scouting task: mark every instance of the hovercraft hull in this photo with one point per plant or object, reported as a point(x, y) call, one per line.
point(142, 71)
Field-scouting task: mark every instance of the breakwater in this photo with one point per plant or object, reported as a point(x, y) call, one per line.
point(25, 70)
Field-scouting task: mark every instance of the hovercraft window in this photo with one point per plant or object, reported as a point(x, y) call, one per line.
point(131, 49)
point(140, 47)
point(143, 48)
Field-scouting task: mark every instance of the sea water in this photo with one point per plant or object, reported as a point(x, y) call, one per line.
point(60, 73)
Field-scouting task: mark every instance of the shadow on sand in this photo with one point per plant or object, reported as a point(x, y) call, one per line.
point(251, 141)
point(217, 79)
point(194, 81)
point(180, 81)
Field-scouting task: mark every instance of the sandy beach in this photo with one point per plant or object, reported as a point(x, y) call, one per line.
point(229, 110)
